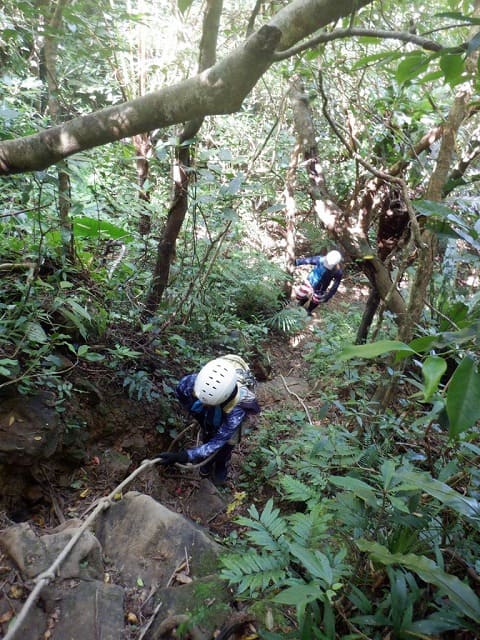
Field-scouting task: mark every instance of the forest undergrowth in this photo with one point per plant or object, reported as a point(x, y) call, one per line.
point(340, 520)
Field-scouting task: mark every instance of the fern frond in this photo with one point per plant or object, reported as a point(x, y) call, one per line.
point(253, 571)
point(309, 528)
point(296, 491)
point(272, 521)
point(266, 530)
point(289, 320)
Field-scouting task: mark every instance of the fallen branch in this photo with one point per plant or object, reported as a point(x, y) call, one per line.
point(292, 393)
point(150, 622)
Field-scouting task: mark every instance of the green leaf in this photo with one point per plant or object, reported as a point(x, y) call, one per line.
point(412, 66)
point(399, 504)
point(441, 491)
point(234, 185)
point(432, 76)
point(456, 590)
point(433, 208)
point(361, 489)
point(78, 309)
point(92, 227)
point(432, 370)
point(9, 361)
point(183, 5)
point(437, 623)
point(454, 15)
point(299, 595)
point(93, 356)
point(388, 470)
point(453, 67)
point(467, 334)
point(74, 319)
point(399, 593)
point(8, 367)
point(425, 343)
point(373, 349)
point(458, 312)
point(35, 333)
point(315, 562)
point(463, 393)
point(386, 56)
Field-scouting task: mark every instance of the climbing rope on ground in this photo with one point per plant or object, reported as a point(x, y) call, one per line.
point(47, 576)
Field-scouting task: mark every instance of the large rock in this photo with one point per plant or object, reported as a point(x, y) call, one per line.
point(29, 429)
point(204, 603)
point(155, 563)
point(75, 610)
point(86, 611)
point(34, 554)
point(205, 503)
point(146, 542)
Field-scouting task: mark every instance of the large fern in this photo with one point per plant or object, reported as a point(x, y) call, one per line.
point(295, 490)
point(285, 550)
point(289, 320)
point(254, 571)
point(267, 529)
point(310, 528)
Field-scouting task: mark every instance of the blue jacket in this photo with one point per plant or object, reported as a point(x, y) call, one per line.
point(218, 426)
point(322, 278)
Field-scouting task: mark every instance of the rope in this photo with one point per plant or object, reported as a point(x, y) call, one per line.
point(49, 574)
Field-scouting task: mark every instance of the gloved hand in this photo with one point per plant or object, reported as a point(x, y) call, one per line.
point(171, 458)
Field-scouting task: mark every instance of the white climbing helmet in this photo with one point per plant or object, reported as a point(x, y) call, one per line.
point(215, 382)
point(332, 259)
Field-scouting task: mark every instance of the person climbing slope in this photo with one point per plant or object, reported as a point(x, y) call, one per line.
point(322, 281)
point(220, 396)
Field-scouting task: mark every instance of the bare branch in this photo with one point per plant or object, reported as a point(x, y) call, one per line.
point(338, 34)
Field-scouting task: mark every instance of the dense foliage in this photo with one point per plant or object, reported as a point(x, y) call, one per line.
point(373, 516)
point(367, 515)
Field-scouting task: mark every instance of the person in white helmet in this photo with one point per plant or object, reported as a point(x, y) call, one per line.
point(219, 397)
point(322, 281)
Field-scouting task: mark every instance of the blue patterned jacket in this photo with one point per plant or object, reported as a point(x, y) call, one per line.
point(218, 426)
point(321, 278)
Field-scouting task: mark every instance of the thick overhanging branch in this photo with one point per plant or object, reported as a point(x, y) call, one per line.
point(218, 90)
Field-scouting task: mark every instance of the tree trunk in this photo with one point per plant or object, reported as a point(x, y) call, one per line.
point(371, 307)
point(166, 245)
point(290, 213)
point(428, 248)
point(49, 57)
point(143, 147)
point(181, 175)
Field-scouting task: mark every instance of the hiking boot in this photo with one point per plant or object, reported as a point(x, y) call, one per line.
point(220, 475)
